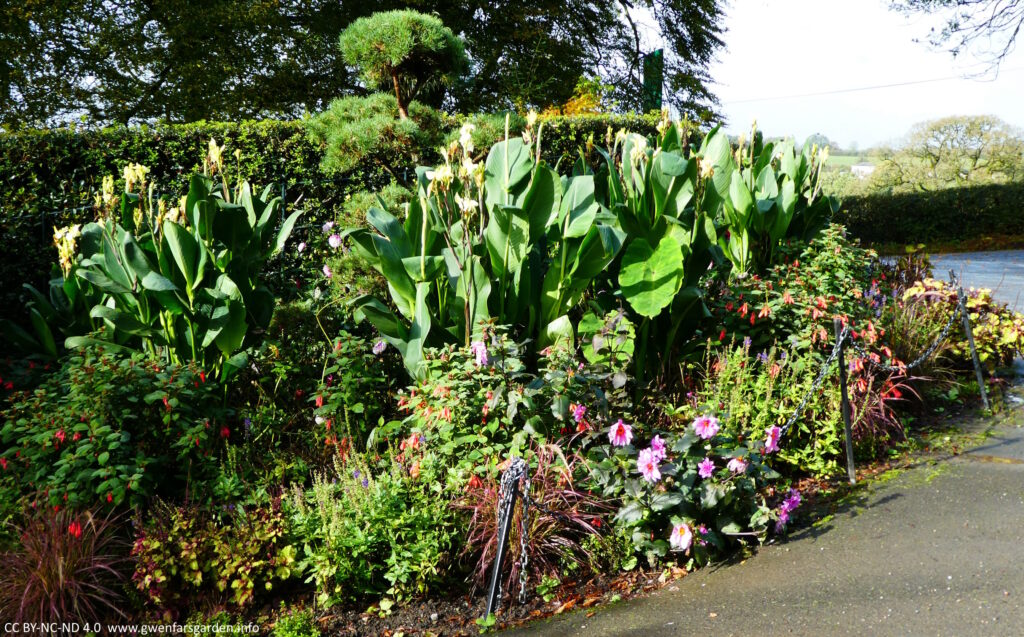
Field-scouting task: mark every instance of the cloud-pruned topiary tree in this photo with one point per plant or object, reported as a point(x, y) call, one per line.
point(401, 54)
point(405, 51)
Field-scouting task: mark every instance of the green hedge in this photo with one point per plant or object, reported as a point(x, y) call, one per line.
point(952, 215)
point(49, 177)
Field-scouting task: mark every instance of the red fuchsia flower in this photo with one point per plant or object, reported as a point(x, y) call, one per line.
point(474, 482)
point(583, 427)
point(60, 436)
point(75, 529)
point(744, 309)
point(202, 376)
point(721, 335)
point(620, 434)
point(774, 371)
point(706, 427)
point(728, 306)
point(648, 465)
point(3, 463)
point(737, 465)
point(681, 537)
point(167, 405)
point(110, 496)
point(320, 400)
point(706, 468)
point(771, 443)
point(658, 448)
point(76, 437)
point(225, 432)
point(765, 312)
point(9, 385)
point(752, 318)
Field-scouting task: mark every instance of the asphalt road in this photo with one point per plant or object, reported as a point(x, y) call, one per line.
point(939, 550)
point(1002, 271)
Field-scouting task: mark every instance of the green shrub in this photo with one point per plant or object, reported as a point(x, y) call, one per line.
point(371, 532)
point(756, 393)
point(110, 428)
point(184, 557)
point(357, 130)
point(295, 623)
point(947, 215)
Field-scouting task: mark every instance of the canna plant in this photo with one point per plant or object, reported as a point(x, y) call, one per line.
point(506, 240)
point(182, 283)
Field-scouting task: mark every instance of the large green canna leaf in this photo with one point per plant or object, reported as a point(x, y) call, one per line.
point(43, 332)
point(507, 168)
point(507, 236)
point(578, 207)
point(282, 235)
point(185, 251)
point(651, 275)
point(543, 201)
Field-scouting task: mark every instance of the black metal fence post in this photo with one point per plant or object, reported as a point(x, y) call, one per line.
point(841, 361)
point(506, 509)
point(962, 302)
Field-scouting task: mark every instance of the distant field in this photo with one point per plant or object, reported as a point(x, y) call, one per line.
point(849, 160)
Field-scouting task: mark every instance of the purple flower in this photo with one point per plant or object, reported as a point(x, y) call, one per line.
point(301, 247)
point(746, 341)
point(706, 468)
point(578, 412)
point(620, 434)
point(658, 448)
point(762, 357)
point(648, 466)
point(334, 241)
point(479, 352)
point(737, 465)
point(782, 522)
point(771, 444)
point(703, 530)
point(327, 226)
point(681, 537)
point(379, 347)
point(791, 502)
point(327, 271)
point(355, 473)
point(366, 483)
point(705, 426)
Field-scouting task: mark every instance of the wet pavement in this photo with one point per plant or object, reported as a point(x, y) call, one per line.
point(1002, 271)
point(934, 551)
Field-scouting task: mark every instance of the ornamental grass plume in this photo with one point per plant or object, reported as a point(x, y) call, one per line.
point(67, 566)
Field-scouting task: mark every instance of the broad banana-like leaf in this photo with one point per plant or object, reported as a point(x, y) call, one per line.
point(651, 274)
point(507, 168)
point(578, 207)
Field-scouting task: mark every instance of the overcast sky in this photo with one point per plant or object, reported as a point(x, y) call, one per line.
point(788, 48)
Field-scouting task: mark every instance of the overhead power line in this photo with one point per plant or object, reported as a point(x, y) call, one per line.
point(859, 88)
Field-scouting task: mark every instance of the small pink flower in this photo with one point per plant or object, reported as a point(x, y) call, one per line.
point(648, 465)
point(681, 537)
point(738, 465)
point(658, 448)
point(334, 241)
point(578, 411)
point(327, 271)
point(771, 444)
point(379, 347)
point(479, 352)
point(621, 434)
point(301, 247)
point(706, 427)
point(706, 468)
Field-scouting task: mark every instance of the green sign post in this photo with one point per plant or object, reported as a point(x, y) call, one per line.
point(654, 74)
